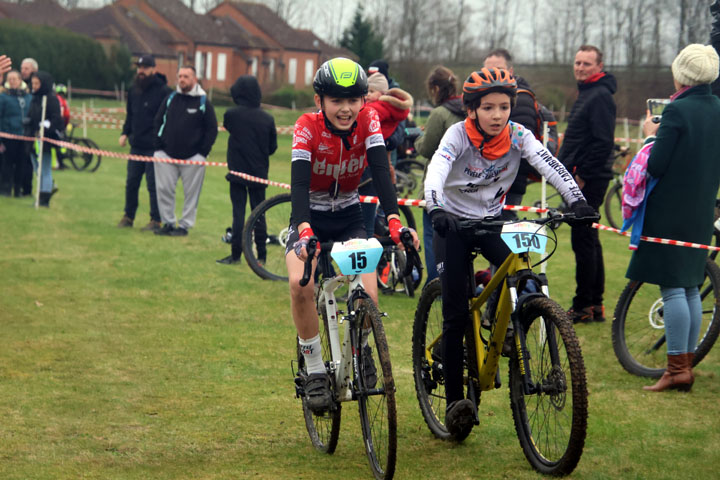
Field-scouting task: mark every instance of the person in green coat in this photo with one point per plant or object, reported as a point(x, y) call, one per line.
point(681, 206)
point(443, 91)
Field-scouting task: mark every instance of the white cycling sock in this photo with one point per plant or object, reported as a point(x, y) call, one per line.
point(312, 352)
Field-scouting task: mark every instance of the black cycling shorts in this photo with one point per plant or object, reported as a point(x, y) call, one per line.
point(330, 226)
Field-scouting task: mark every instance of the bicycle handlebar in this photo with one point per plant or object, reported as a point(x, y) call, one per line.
point(311, 249)
point(411, 253)
point(554, 218)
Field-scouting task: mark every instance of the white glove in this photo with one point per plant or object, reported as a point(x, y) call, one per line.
point(45, 124)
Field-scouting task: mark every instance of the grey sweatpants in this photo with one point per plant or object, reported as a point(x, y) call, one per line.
point(166, 177)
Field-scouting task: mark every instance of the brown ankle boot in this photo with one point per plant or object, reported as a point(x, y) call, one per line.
point(677, 375)
point(690, 358)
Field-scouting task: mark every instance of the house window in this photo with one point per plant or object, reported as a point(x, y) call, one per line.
point(309, 71)
point(208, 66)
point(222, 63)
point(199, 64)
point(292, 71)
point(271, 69)
point(254, 67)
point(181, 59)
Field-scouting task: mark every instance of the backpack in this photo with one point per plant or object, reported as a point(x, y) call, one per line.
point(203, 101)
point(635, 182)
point(543, 114)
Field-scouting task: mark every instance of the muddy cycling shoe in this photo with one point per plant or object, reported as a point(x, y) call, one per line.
point(317, 392)
point(369, 371)
point(460, 418)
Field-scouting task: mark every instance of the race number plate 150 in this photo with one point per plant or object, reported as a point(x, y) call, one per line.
point(523, 237)
point(357, 255)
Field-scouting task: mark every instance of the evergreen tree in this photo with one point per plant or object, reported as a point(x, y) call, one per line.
point(360, 39)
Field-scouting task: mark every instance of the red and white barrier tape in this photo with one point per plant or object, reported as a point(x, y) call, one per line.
point(363, 198)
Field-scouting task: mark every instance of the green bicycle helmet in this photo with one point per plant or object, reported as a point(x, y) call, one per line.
point(340, 77)
point(60, 88)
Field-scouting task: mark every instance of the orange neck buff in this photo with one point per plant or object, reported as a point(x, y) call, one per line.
point(491, 149)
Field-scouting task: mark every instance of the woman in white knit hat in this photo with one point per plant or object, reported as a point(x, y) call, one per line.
point(684, 159)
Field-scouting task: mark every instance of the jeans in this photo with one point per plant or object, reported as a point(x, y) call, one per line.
point(135, 171)
point(46, 181)
point(683, 316)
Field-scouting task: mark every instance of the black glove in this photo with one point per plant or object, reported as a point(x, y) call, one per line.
point(715, 9)
point(443, 222)
point(584, 213)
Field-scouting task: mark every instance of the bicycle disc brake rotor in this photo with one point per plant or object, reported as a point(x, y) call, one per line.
point(655, 315)
point(555, 386)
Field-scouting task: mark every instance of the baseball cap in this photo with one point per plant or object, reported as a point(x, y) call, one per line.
point(146, 61)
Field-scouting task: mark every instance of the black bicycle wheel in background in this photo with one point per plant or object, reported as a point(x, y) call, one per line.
point(415, 169)
point(79, 160)
point(274, 215)
point(375, 389)
point(638, 329)
point(95, 158)
point(613, 205)
point(429, 378)
point(407, 216)
point(324, 428)
point(551, 424)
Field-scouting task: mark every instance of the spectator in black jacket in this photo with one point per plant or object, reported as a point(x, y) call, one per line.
point(524, 113)
point(586, 151)
point(186, 129)
point(253, 138)
point(43, 86)
point(144, 99)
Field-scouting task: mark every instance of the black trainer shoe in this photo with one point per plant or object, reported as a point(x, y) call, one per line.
point(369, 371)
point(582, 315)
point(165, 230)
point(460, 418)
point(317, 392)
point(178, 232)
point(598, 313)
point(229, 260)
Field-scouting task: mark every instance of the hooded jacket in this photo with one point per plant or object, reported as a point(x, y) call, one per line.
point(142, 105)
point(186, 124)
point(253, 137)
point(590, 135)
point(52, 109)
point(392, 108)
point(440, 119)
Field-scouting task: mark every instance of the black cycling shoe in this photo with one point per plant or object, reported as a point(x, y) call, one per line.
point(460, 418)
point(369, 371)
point(317, 392)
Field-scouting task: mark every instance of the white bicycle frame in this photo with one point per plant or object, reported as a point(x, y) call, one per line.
point(341, 355)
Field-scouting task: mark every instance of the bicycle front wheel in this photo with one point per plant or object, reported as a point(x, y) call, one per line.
point(375, 389)
point(94, 157)
point(80, 160)
point(265, 237)
point(551, 416)
point(613, 205)
point(638, 329)
point(323, 428)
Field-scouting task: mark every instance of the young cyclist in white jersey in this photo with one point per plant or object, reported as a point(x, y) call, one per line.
point(329, 153)
point(468, 177)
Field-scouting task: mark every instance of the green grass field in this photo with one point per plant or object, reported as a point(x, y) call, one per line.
point(131, 356)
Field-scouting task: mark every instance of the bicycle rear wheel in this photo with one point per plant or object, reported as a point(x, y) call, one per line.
point(375, 388)
point(265, 237)
point(80, 160)
point(638, 330)
point(94, 157)
point(324, 428)
point(613, 205)
point(551, 421)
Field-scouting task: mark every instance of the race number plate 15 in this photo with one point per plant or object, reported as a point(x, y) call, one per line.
point(357, 255)
point(523, 237)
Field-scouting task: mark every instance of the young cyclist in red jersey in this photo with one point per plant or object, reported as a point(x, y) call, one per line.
point(468, 177)
point(329, 152)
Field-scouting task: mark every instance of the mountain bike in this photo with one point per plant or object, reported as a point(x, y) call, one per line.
point(612, 204)
point(273, 217)
point(81, 160)
point(357, 360)
point(548, 389)
point(638, 329)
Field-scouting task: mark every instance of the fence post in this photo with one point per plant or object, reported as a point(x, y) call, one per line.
point(40, 152)
point(69, 85)
point(84, 117)
point(543, 187)
point(626, 125)
point(640, 132)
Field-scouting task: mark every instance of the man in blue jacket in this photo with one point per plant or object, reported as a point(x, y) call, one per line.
point(186, 129)
point(144, 99)
point(587, 152)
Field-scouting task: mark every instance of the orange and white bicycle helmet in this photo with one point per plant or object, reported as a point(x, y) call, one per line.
point(488, 80)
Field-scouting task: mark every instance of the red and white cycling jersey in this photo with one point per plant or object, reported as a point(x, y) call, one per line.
point(336, 170)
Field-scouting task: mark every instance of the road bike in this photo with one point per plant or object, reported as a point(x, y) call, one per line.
point(271, 219)
point(638, 328)
point(548, 389)
point(357, 359)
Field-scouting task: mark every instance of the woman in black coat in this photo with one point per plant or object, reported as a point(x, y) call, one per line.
point(681, 206)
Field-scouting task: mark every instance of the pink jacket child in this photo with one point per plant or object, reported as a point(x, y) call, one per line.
point(392, 105)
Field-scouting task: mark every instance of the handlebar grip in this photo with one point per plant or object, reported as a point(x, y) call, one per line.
point(311, 249)
point(411, 254)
